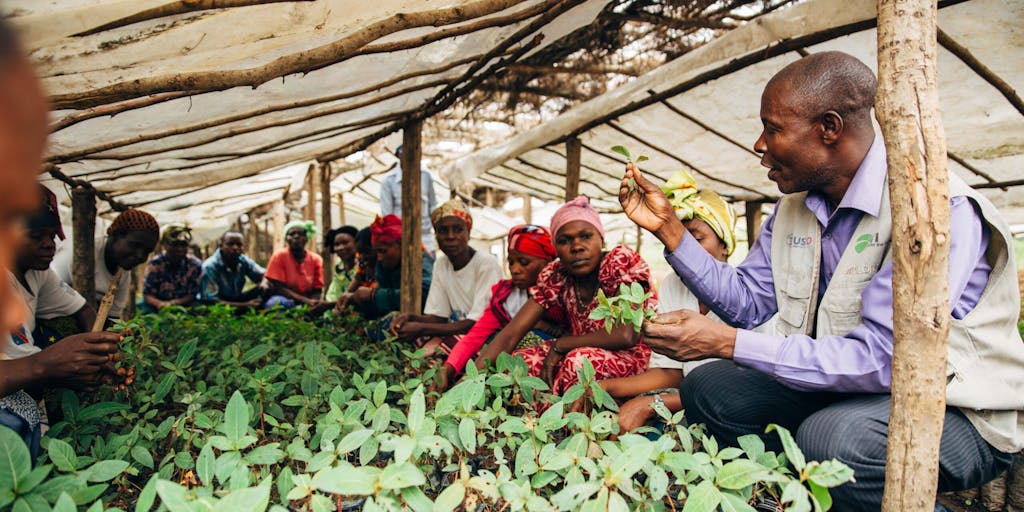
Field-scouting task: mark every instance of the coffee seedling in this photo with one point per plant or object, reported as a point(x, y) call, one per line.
point(625, 308)
point(629, 158)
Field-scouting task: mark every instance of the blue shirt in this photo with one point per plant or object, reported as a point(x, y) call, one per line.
point(221, 282)
point(391, 201)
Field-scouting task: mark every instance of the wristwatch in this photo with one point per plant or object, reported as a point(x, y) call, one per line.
point(554, 348)
point(657, 398)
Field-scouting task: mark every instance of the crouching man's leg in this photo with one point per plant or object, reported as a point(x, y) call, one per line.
point(855, 431)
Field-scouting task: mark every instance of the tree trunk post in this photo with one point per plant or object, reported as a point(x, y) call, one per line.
point(83, 220)
point(278, 240)
point(573, 149)
point(252, 236)
point(327, 251)
point(309, 211)
point(753, 216)
point(527, 209)
point(412, 259)
point(341, 209)
point(907, 107)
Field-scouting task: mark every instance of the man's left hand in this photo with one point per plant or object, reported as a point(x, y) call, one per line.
point(687, 335)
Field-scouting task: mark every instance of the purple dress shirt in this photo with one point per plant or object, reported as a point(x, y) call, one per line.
point(860, 361)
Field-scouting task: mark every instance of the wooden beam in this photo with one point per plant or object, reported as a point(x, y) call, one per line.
point(907, 107)
point(597, 70)
point(753, 216)
point(326, 252)
point(980, 69)
point(572, 168)
point(83, 221)
point(412, 253)
point(278, 239)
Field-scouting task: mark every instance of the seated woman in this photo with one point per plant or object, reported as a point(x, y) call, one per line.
point(295, 275)
point(45, 295)
point(342, 242)
point(568, 287)
point(172, 278)
point(385, 298)
point(529, 251)
point(459, 285)
point(129, 240)
point(712, 223)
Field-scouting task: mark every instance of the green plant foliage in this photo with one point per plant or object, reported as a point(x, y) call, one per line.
point(625, 308)
point(270, 412)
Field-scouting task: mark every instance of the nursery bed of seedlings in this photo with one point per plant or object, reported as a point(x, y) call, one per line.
point(270, 411)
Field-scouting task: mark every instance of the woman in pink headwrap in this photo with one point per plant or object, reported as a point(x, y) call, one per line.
point(567, 287)
point(529, 251)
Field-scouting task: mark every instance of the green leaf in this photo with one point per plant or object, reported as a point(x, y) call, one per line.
point(100, 410)
point(821, 494)
point(752, 445)
point(702, 498)
point(417, 408)
point(14, 459)
point(165, 386)
point(265, 455)
point(105, 470)
point(795, 494)
point(173, 496)
point(236, 417)
point(733, 503)
point(353, 440)
point(657, 482)
point(467, 435)
point(147, 496)
point(450, 498)
point(62, 455)
point(251, 498)
point(416, 500)
point(739, 474)
point(380, 393)
point(623, 151)
point(185, 353)
point(206, 464)
point(398, 476)
point(641, 158)
point(33, 478)
point(793, 452)
point(65, 504)
point(348, 480)
point(142, 456)
point(829, 473)
point(256, 353)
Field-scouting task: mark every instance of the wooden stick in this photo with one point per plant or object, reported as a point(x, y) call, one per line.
point(107, 302)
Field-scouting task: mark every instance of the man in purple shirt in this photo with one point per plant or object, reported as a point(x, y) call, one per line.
point(829, 385)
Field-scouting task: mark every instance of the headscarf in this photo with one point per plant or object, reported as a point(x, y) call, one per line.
point(176, 233)
point(705, 205)
point(134, 220)
point(577, 209)
point(331, 234)
point(47, 215)
point(532, 240)
point(307, 225)
point(386, 229)
point(453, 208)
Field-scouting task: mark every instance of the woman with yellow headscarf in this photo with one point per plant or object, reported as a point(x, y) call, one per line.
point(712, 223)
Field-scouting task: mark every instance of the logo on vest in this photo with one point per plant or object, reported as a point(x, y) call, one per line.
point(867, 240)
point(799, 241)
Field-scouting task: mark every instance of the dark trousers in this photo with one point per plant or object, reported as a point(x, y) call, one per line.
point(734, 401)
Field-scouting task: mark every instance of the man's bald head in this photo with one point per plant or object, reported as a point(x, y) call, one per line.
point(827, 81)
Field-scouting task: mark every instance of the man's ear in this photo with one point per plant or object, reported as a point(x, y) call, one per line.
point(831, 126)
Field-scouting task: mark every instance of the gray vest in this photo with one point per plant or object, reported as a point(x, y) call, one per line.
point(986, 355)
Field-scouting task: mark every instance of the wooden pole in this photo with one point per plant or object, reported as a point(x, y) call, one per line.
point(527, 209)
point(325, 221)
point(83, 220)
point(341, 208)
point(278, 225)
point(108, 302)
point(412, 259)
point(753, 215)
point(907, 107)
point(252, 236)
point(267, 238)
point(573, 148)
point(309, 211)
point(639, 238)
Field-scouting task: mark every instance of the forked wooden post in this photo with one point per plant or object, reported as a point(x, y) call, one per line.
point(108, 301)
point(325, 221)
point(573, 151)
point(907, 107)
point(412, 259)
point(83, 220)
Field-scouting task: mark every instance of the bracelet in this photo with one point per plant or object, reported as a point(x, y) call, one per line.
point(554, 348)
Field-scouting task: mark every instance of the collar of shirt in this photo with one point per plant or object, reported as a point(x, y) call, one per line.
point(865, 191)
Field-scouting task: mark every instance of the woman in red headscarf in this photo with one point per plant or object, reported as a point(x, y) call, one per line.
point(529, 251)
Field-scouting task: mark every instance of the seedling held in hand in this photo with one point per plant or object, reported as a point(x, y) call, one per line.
point(625, 308)
point(629, 157)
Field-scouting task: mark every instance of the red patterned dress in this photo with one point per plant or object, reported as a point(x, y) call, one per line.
point(555, 291)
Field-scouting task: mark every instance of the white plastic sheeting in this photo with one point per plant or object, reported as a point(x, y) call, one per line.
point(982, 127)
point(220, 151)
